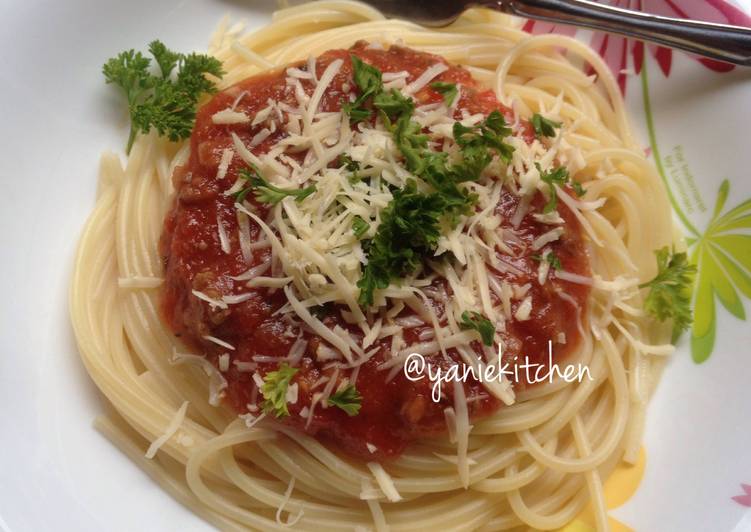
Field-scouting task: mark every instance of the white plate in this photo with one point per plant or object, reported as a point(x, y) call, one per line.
point(57, 473)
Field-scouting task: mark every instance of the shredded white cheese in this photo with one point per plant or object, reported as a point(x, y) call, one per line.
point(170, 431)
point(385, 482)
point(230, 117)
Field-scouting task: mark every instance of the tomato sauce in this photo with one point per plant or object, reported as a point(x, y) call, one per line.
point(394, 412)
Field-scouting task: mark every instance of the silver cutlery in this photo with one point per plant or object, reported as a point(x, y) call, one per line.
point(717, 41)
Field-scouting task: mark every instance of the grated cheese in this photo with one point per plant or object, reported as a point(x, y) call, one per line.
point(230, 117)
point(139, 282)
point(170, 431)
point(426, 77)
point(221, 171)
point(219, 342)
point(223, 238)
point(316, 259)
point(385, 482)
point(214, 303)
point(524, 309)
point(217, 382)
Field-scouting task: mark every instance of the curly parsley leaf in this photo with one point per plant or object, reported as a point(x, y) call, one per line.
point(356, 112)
point(411, 141)
point(369, 80)
point(488, 135)
point(544, 127)
point(165, 58)
point(274, 390)
point(408, 231)
point(393, 103)
point(359, 227)
point(551, 258)
point(557, 176)
point(445, 180)
point(670, 291)
point(478, 322)
point(349, 163)
point(554, 261)
point(367, 77)
point(351, 166)
point(449, 91)
point(411, 222)
point(165, 102)
point(347, 399)
point(265, 192)
point(477, 145)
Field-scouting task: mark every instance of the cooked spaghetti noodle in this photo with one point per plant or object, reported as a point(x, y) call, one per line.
point(534, 463)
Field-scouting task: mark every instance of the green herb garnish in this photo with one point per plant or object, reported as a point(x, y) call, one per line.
point(551, 258)
point(543, 127)
point(669, 292)
point(578, 188)
point(488, 134)
point(557, 176)
point(274, 390)
point(478, 322)
point(359, 227)
point(409, 230)
point(349, 163)
point(265, 192)
point(163, 101)
point(369, 80)
point(449, 91)
point(411, 142)
point(392, 103)
point(410, 223)
point(351, 166)
point(347, 399)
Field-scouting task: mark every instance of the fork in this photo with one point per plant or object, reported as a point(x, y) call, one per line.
point(723, 42)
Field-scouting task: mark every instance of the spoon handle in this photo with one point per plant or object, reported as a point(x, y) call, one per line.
point(717, 41)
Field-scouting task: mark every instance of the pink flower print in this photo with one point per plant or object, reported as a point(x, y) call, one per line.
point(744, 500)
point(615, 49)
point(719, 11)
point(539, 27)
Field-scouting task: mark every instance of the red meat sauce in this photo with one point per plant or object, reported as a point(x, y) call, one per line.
point(394, 412)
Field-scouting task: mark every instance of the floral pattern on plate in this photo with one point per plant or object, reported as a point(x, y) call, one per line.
point(722, 252)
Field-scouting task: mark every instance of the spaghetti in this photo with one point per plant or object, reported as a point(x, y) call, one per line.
point(535, 462)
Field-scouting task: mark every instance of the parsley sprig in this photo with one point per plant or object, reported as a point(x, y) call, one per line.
point(274, 390)
point(557, 176)
point(409, 230)
point(347, 399)
point(481, 324)
point(163, 101)
point(359, 227)
point(479, 142)
point(265, 192)
point(551, 258)
point(669, 292)
point(369, 80)
point(411, 222)
point(544, 127)
point(449, 91)
point(351, 166)
point(393, 103)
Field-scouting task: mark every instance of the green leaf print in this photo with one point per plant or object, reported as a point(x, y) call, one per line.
point(721, 254)
point(723, 258)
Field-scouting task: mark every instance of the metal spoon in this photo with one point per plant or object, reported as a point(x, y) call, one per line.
point(717, 41)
